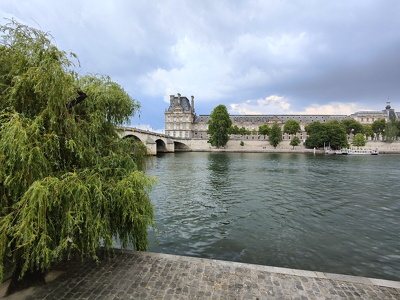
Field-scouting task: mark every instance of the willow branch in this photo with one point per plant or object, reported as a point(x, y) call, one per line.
point(82, 96)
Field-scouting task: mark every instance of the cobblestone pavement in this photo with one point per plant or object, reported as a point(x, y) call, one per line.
point(132, 275)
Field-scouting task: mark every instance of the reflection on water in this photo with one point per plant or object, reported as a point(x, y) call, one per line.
point(328, 213)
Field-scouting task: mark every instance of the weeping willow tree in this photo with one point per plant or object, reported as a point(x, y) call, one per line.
point(68, 184)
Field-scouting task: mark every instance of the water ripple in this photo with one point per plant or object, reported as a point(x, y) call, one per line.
point(333, 214)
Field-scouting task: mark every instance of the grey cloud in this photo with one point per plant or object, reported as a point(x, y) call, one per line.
point(306, 51)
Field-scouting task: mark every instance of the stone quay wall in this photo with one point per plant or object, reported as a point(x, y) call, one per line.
point(284, 146)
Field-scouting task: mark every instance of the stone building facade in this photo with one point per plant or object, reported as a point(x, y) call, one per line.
point(181, 120)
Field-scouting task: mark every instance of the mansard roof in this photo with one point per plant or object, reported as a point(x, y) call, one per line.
point(179, 103)
point(282, 118)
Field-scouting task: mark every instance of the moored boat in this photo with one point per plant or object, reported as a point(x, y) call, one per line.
point(358, 151)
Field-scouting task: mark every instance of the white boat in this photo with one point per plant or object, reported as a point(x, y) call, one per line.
point(330, 151)
point(357, 151)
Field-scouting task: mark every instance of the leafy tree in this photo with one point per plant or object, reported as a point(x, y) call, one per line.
point(352, 126)
point(317, 135)
point(241, 143)
point(68, 184)
point(218, 126)
point(397, 123)
point(275, 136)
point(378, 126)
point(359, 140)
point(330, 133)
point(264, 130)
point(295, 141)
point(291, 127)
point(391, 131)
point(243, 131)
point(234, 130)
point(337, 135)
point(368, 131)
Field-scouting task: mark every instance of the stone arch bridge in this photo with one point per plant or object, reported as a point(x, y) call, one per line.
point(155, 142)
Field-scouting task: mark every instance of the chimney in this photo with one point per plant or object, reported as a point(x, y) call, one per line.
point(192, 103)
point(171, 99)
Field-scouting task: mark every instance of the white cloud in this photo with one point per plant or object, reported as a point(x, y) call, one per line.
point(225, 51)
point(333, 108)
point(200, 70)
point(270, 105)
point(280, 105)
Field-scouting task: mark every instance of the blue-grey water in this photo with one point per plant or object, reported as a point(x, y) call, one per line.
point(338, 214)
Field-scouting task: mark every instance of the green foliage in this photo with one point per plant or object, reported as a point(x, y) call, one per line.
point(291, 127)
point(264, 130)
point(351, 126)
point(241, 143)
point(317, 135)
point(397, 123)
point(378, 126)
point(68, 184)
point(234, 130)
point(391, 131)
point(368, 131)
point(330, 133)
point(275, 135)
point(218, 126)
point(295, 141)
point(359, 140)
point(244, 131)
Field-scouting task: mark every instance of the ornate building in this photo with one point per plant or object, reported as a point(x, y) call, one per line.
point(181, 120)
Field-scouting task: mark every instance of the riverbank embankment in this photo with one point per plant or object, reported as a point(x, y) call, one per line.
point(133, 275)
point(260, 146)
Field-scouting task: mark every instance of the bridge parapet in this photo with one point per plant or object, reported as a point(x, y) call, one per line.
point(155, 142)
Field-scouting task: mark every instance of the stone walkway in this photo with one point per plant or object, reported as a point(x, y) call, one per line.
point(132, 275)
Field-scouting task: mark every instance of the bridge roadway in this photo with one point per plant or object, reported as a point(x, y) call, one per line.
point(155, 142)
point(133, 275)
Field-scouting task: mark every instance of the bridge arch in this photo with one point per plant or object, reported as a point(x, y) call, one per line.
point(132, 136)
point(161, 146)
point(179, 146)
point(155, 142)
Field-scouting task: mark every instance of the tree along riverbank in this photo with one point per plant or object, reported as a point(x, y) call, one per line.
point(236, 145)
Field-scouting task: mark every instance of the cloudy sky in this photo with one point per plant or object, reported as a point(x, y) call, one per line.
point(254, 56)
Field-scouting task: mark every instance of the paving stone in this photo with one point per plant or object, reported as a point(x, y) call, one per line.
point(133, 275)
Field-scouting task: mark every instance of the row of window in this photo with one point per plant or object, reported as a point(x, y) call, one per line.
point(180, 134)
point(177, 118)
point(362, 119)
point(177, 126)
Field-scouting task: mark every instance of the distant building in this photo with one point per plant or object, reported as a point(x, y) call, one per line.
point(181, 120)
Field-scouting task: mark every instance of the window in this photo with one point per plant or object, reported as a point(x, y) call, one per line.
point(187, 126)
point(180, 126)
point(187, 118)
point(169, 126)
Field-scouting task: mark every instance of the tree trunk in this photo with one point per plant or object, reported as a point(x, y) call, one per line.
point(35, 278)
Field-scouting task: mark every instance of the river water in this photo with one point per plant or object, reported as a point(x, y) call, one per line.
point(338, 214)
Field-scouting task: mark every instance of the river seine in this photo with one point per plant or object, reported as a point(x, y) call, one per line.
point(338, 214)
